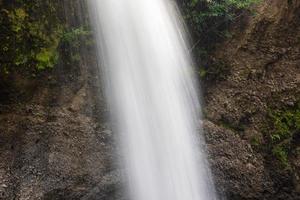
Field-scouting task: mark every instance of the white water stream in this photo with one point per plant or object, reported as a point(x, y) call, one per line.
point(153, 99)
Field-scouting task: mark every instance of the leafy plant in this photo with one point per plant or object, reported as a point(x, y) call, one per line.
point(209, 22)
point(47, 58)
point(30, 35)
point(74, 34)
point(281, 153)
point(74, 39)
point(284, 123)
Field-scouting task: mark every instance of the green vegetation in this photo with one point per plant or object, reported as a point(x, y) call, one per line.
point(281, 153)
point(35, 36)
point(209, 22)
point(285, 123)
point(75, 34)
point(30, 35)
point(33, 32)
point(73, 40)
point(255, 141)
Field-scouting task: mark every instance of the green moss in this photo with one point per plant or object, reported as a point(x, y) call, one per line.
point(281, 153)
point(254, 141)
point(47, 58)
point(284, 124)
point(73, 35)
point(202, 72)
point(31, 35)
point(75, 39)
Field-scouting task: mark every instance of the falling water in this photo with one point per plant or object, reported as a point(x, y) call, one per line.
point(153, 99)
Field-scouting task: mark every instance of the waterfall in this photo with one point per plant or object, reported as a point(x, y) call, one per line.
point(153, 99)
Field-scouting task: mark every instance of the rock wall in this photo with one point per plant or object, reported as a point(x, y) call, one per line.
point(264, 60)
point(54, 140)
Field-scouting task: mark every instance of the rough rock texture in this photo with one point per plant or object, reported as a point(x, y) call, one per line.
point(55, 143)
point(56, 146)
point(239, 172)
point(264, 62)
point(264, 58)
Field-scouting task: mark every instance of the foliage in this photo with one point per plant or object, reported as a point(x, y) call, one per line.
point(209, 21)
point(30, 35)
point(73, 40)
point(74, 34)
point(285, 123)
point(281, 153)
point(254, 141)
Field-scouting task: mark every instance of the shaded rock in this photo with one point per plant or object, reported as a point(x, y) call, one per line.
point(264, 57)
point(238, 171)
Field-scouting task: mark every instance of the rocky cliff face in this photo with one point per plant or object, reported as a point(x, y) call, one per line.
point(264, 60)
point(54, 140)
point(56, 143)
